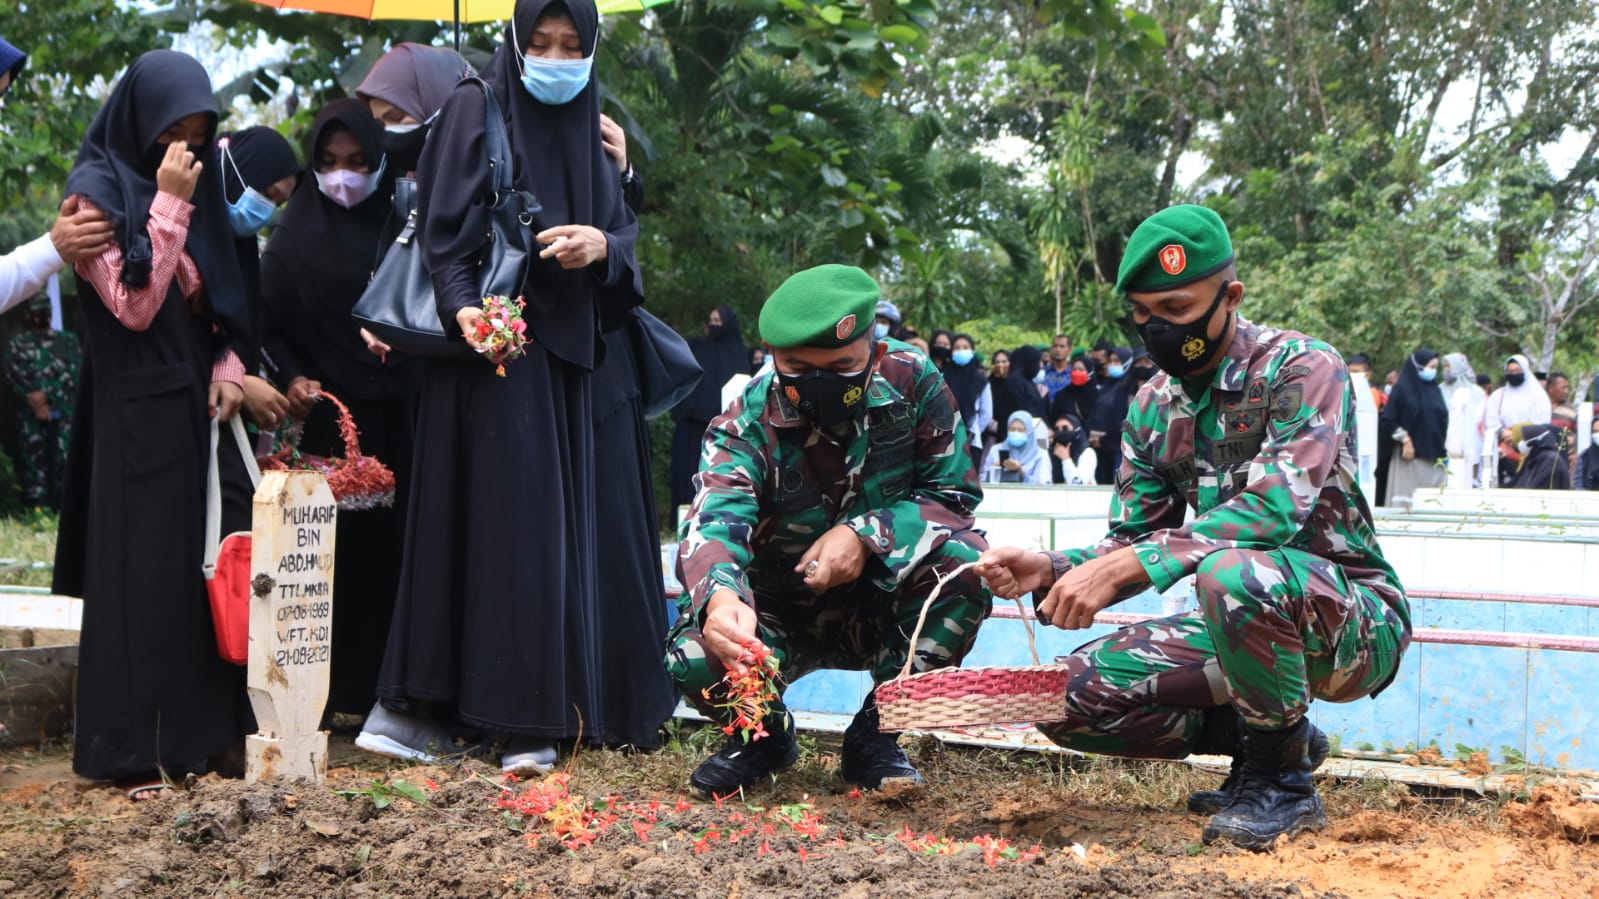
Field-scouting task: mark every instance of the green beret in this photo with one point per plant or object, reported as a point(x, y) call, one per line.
point(1175, 246)
point(828, 306)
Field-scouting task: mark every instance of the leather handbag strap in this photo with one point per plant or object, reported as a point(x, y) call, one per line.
point(495, 141)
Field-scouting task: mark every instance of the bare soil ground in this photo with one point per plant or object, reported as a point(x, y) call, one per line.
point(991, 824)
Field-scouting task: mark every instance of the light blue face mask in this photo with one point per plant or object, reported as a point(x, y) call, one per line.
point(1017, 439)
point(1115, 370)
point(553, 82)
point(250, 213)
point(1428, 374)
point(879, 331)
point(961, 357)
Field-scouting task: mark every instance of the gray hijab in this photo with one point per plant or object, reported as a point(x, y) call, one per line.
point(415, 78)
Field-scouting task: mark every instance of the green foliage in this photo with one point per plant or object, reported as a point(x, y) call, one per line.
point(383, 793)
point(991, 335)
point(73, 47)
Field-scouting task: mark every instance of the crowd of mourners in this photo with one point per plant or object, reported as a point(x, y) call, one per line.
point(827, 501)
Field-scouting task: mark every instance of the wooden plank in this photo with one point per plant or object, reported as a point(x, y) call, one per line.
point(36, 689)
point(55, 636)
point(291, 615)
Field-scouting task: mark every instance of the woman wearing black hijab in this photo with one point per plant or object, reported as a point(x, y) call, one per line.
point(406, 86)
point(1013, 392)
point(161, 308)
point(1114, 396)
point(314, 269)
point(721, 354)
point(498, 615)
point(259, 174)
point(1412, 428)
point(965, 377)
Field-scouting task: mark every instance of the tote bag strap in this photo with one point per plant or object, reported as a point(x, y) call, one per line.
point(495, 142)
point(213, 488)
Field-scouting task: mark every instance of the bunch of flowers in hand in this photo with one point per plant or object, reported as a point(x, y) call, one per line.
point(750, 695)
point(501, 333)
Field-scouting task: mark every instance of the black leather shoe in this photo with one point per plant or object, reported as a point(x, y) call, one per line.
point(872, 760)
point(739, 764)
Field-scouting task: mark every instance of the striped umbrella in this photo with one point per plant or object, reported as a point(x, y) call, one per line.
point(457, 11)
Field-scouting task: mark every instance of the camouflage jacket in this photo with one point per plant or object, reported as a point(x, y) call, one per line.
point(1265, 457)
point(770, 484)
point(47, 362)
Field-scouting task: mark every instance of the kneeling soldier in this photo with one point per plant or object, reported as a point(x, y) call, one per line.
point(1252, 429)
point(832, 496)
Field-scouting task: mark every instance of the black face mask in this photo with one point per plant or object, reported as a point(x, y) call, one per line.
point(39, 321)
point(1065, 436)
point(717, 332)
point(1180, 350)
point(404, 149)
point(939, 353)
point(1517, 379)
point(827, 398)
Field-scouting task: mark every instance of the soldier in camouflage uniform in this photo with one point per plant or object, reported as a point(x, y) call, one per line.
point(831, 498)
point(1252, 429)
point(43, 367)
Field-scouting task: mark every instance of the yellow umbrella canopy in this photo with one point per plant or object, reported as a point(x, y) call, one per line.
point(436, 10)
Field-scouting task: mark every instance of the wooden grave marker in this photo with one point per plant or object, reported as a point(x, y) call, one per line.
point(291, 625)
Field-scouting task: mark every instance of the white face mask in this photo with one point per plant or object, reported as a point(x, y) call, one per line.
point(349, 188)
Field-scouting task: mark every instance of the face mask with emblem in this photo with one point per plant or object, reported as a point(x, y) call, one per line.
point(1180, 350)
point(827, 398)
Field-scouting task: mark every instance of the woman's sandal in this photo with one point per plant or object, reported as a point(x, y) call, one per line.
point(144, 789)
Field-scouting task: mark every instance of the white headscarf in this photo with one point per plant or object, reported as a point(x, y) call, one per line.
point(1527, 404)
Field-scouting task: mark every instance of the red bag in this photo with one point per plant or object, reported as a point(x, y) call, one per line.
point(227, 559)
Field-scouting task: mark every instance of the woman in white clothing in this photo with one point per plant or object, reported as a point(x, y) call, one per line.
point(1466, 401)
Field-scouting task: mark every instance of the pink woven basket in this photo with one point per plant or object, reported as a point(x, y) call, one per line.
point(972, 697)
point(356, 481)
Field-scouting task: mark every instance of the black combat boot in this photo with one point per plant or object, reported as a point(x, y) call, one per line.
point(739, 764)
point(1220, 736)
point(871, 759)
point(1274, 796)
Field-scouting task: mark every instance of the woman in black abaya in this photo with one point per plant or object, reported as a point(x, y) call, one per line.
point(721, 354)
point(1412, 428)
point(160, 309)
point(314, 269)
point(259, 174)
point(498, 618)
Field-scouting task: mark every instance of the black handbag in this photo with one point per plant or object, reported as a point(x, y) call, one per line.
point(667, 369)
point(398, 304)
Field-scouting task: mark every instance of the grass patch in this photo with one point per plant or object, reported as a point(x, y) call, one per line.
point(27, 540)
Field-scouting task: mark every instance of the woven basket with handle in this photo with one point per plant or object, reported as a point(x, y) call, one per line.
point(971, 697)
point(357, 481)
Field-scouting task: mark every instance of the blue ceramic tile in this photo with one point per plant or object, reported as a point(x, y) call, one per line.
point(1562, 726)
point(1473, 696)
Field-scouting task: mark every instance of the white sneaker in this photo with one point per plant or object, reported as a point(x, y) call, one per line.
point(527, 756)
point(403, 737)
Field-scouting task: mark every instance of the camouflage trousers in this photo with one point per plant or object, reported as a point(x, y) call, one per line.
point(1274, 630)
point(857, 627)
point(43, 458)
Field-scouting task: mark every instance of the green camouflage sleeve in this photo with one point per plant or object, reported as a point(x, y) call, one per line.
point(1143, 502)
point(1310, 408)
point(714, 541)
point(20, 368)
point(944, 489)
